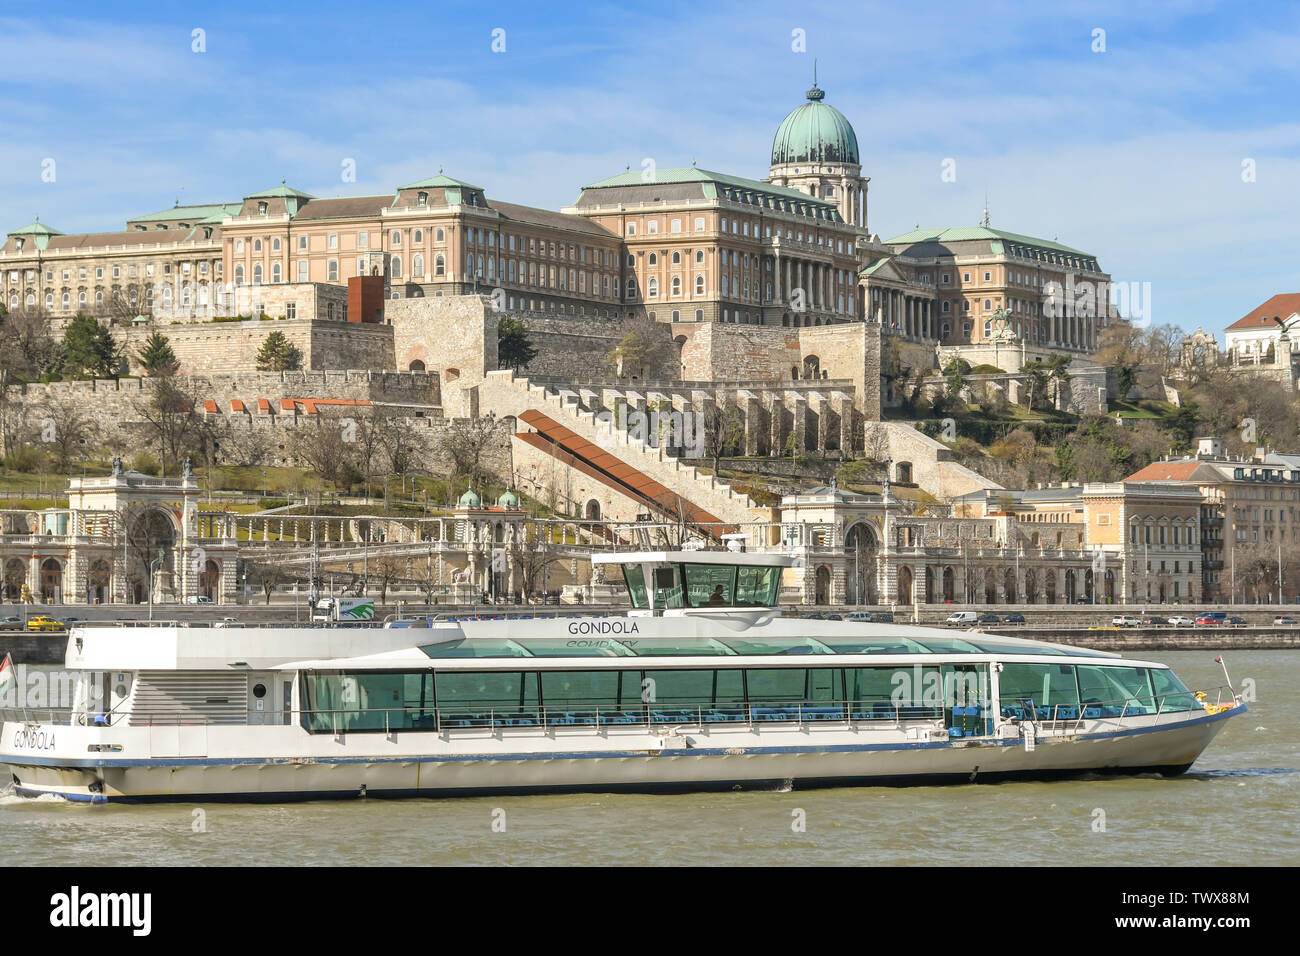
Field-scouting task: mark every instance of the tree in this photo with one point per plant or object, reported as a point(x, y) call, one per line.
point(170, 420)
point(157, 357)
point(467, 443)
point(326, 447)
point(278, 354)
point(530, 558)
point(514, 348)
point(723, 429)
point(386, 570)
point(27, 350)
point(89, 349)
point(643, 351)
point(67, 430)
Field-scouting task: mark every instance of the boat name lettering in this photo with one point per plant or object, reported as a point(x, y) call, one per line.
point(600, 627)
point(34, 739)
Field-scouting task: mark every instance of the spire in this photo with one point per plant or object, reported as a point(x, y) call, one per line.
point(985, 221)
point(815, 94)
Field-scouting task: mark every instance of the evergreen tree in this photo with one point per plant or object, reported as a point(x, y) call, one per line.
point(89, 349)
point(514, 348)
point(278, 354)
point(157, 357)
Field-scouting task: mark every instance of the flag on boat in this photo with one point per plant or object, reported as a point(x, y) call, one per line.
point(1218, 660)
point(8, 676)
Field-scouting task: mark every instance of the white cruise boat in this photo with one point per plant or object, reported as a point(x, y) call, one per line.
point(702, 685)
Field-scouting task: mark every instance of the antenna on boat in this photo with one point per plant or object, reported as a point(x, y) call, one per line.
point(1220, 662)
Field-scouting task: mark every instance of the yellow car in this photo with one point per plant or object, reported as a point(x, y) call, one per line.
point(44, 623)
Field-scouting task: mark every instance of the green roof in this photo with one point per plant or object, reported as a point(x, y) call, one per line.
point(969, 233)
point(36, 228)
point(815, 132)
point(441, 182)
point(280, 192)
point(190, 213)
point(871, 269)
point(691, 174)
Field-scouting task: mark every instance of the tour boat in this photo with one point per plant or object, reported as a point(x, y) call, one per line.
point(702, 684)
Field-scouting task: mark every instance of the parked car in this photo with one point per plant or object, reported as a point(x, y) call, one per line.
point(43, 623)
point(834, 617)
point(814, 617)
point(1284, 620)
point(989, 619)
point(962, 618)
point(1179, 621)
point(1014, 619)
point(1211, 618)
point(1235, 621)
point(1154, 620)
point(1124, 620)
point(198, 599)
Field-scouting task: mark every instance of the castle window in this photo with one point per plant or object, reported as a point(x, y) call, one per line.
point(652, 227)
point(418, 237)
point(261, 208)
point(257, 274)
point(439, 264)
point(397, 267)
point(631, 229)
point(675, 226)
point(304, 270)
point(275, 244)
point(440, 235)
point(275, 272)
point(699, 223)
point(677, 258)
point(699, 257)
point(291, 310)
point(397, 238)
point(422, 199)
point(676, 287)
point(332, 271)
point(257, 245)
point(302, 244)
point(417, 267)
point(653, 260)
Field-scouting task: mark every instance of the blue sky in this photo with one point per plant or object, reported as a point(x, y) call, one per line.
point(1135, 154)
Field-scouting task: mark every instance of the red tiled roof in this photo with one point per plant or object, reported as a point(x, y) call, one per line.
point(237, 406)
point(263, 407)
point(1166, 471)
point(209, 406)
point(1282, 305)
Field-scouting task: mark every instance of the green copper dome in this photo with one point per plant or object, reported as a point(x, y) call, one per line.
point(508, 500)
point(470, 500)
point(815, 133)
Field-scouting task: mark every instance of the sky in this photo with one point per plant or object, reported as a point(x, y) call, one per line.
point(1161, 138)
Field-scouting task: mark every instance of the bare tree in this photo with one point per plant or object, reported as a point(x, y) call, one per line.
point(325, 448)
point(169, 419)
point(723, 430)
point(386, 570)
point(467, 443)
point(67, 431)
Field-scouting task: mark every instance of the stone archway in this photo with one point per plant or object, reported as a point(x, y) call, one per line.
point(905, 583)
point(1071, 586)
point(151, 536)
point(860, 549)
point(948, 593)
point(51, 581)
point(990, 586)
point(1009, 586)
point(98, 582)
point(1109, 580)
point(14, 579)
point(822, 585)
point(593, 510)
point(210, 581)
point(1049, 585)
point(1031, 586)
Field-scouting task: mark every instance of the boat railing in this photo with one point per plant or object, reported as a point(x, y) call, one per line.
point(1069, 718)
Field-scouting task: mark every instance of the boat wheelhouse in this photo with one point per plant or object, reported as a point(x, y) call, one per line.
point(703, 684)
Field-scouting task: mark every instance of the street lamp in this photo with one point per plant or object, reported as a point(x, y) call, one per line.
point(263, 482)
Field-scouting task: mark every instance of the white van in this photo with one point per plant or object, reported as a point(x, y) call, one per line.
point(962, 618)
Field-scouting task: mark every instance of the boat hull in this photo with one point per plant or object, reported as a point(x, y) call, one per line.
point(688, 761)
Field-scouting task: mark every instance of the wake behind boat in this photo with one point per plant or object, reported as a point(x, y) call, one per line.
point(702, 685)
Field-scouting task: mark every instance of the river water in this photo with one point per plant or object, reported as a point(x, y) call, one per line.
point(1240, 804)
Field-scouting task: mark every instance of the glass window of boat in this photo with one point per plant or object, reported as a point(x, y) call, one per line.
point(993, 647)
point(1125, 690)
point(694, 687)
point(368, 700)
point(575, 646)
point(771, 685)
point(710, 585)
point(1174, 692)
point(580, 689)
point(635, 580)
point(778, 645)
point(1045, 684)
point(757, 587)
point(950, 645)
point(681, 647)
point(476, 647)
point(881, 645)
point(479, 690)
point(668, 586)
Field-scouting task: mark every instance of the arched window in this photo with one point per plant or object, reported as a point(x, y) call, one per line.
point(397, 267)
point(257, 274)
point(67, 301)
point(275, 272)
point(699, 284)
point(239, 274)
point(676, 288)
point(417, 266)
point(653, 260)
point(699, 257)
point(439, 264)
point(439, 235)
point(257, 245)
point(652, 287)
point(418, 237)
point(677, 258)
point(275, 244)
point(397, 238)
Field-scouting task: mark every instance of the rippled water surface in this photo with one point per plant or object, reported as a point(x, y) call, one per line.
point(1240, 804)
